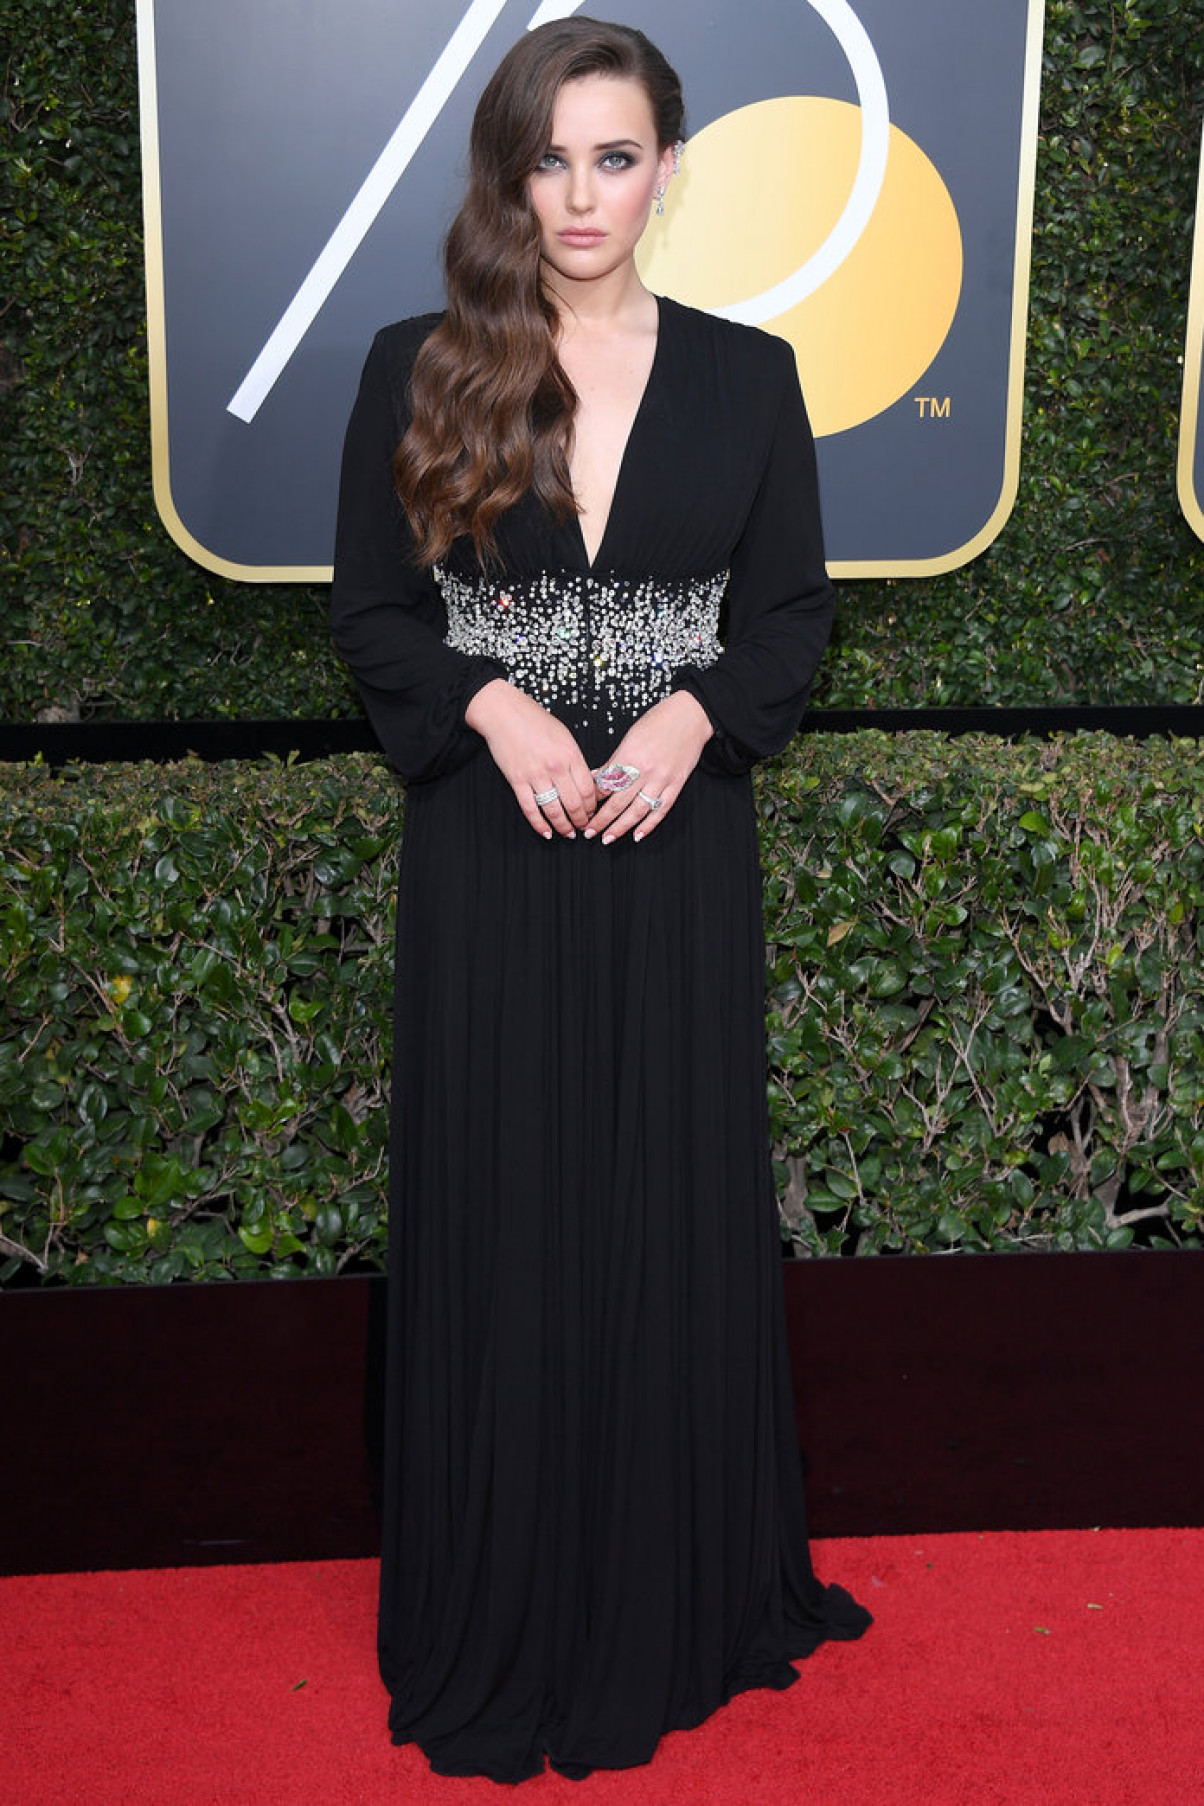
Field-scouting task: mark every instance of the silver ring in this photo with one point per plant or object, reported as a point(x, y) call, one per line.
point(546, 796)
point(653, 802)
point(614, 778)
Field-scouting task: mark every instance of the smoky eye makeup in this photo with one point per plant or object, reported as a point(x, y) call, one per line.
point(610, 156)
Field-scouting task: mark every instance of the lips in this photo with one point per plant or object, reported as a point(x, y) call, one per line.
point(582, 237)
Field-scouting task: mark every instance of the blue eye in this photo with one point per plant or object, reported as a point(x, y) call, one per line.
point(549, 160)
point(617, 160)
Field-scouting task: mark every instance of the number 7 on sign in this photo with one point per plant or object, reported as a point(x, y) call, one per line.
point(378, 185)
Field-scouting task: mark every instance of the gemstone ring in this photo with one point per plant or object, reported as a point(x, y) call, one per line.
point(615, 778)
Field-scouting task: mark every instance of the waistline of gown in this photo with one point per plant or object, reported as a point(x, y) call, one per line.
point(601, 649)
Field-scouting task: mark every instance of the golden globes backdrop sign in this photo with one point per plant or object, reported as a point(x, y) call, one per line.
point(1191, 418)
point(858, 179)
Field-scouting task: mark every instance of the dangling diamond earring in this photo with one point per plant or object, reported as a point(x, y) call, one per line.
point(660, 192)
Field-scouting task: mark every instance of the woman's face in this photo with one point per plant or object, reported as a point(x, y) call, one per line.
point(595, 182)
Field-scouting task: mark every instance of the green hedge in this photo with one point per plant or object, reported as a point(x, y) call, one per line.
point(1092, 594)
point(987, 998)
point(986, 1016)
point(196, 967)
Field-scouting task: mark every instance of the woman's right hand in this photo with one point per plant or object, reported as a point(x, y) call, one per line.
point(535, 753)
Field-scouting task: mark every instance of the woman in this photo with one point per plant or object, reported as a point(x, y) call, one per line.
point(579, 579)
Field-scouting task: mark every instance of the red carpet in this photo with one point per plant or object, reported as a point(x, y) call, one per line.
point(1058, 1666)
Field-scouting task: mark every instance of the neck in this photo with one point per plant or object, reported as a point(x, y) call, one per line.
point(616, 300)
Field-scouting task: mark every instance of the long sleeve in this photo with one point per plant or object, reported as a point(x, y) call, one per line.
point(386, 615)
point(780, 603)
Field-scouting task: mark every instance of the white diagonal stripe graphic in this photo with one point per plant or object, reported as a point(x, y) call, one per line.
point(553, 9)
point(351, 230)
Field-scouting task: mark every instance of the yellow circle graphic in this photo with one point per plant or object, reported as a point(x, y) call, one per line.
point(759, 190)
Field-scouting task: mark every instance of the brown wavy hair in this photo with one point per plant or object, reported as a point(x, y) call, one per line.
point(492, 410)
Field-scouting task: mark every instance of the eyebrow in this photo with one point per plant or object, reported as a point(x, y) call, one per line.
point(613, 144)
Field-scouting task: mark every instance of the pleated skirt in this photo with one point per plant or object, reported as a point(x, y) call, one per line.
point(594, 1525)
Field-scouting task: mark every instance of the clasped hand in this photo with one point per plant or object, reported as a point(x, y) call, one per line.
point(537, 754)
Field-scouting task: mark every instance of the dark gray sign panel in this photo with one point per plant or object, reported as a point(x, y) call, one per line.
point(858, 179)
point(1191, 417)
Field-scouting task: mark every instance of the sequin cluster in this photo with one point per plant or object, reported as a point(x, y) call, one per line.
point(599, 645)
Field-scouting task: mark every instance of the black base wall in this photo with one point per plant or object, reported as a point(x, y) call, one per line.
point(191, 1424)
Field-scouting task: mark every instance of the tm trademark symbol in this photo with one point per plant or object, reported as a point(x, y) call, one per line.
point(933, 407)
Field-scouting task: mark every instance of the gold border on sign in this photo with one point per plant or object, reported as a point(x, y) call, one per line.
point(1025, 190)
point(1193, 372)
point(156, 335)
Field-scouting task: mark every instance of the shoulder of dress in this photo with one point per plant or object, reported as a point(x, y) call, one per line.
point(390, 362)
point(751, 345)
point(399, 343)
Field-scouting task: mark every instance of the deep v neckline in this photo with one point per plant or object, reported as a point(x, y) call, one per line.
point(591, 564)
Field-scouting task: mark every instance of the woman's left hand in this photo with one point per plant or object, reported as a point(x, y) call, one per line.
point(664, 746)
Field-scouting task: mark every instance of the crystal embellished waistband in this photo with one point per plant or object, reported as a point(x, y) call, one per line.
point(604, 645)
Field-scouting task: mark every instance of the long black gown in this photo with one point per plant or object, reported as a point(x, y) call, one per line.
point(594, 1527)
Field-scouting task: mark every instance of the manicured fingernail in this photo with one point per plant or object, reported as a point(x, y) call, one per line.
point(589, 833)
point(547, 833)
point(606, 839)
point(571, 835)
point(637, 835)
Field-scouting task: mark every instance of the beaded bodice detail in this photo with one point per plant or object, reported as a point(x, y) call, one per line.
point(602, 647)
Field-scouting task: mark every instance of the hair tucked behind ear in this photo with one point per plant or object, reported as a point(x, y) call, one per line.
point(492, 408)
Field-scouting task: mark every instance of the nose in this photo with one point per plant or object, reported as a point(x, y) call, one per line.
point(580, 198)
